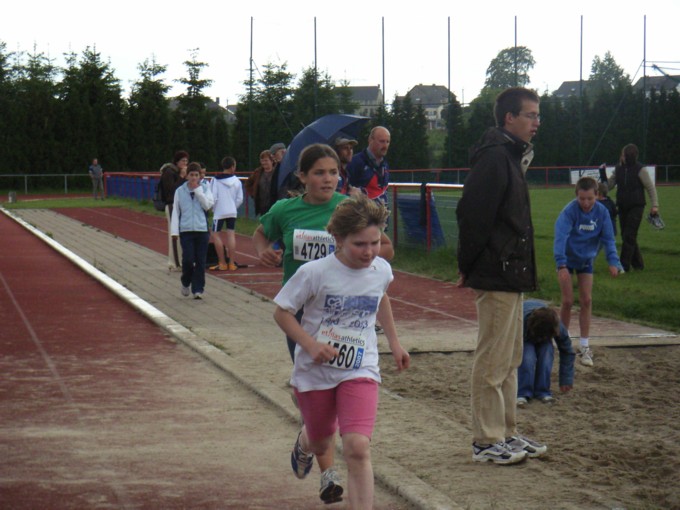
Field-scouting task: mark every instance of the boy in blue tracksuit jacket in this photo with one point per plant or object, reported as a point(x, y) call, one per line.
point(579, 229)
point(189, 221)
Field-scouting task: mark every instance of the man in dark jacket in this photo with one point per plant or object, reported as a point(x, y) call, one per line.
point(496, 259)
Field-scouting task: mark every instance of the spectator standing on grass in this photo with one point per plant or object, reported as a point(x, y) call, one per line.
point(228, 194)
point(173, 176)
point(631, 182)
point(192, 201)
point(541, 326)
point(496, 259)
point(97, 175)
point(369, 170)
point(580, 228)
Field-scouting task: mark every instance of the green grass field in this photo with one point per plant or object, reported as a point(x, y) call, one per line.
point(649, 297)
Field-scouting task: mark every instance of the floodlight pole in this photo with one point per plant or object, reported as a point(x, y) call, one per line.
point(250, 99)
point(645, 111)
point(515, 52)
point(383, 63)
point(316, 76)
point(580, 99)
point(449, 127)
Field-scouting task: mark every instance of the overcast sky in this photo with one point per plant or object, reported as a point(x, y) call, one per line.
point(349, 38)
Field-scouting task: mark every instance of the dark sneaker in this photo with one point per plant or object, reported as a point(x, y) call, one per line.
point(330, 490)
point(498, 453)
point(524, 444)
point(656, 221)
point(300, 460)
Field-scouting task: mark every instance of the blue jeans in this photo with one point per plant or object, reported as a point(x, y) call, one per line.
point(194, 254)
point(533, 375)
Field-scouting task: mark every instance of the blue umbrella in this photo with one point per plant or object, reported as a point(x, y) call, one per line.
point(323, 130)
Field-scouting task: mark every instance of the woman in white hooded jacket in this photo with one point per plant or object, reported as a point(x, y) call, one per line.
point(228, 193)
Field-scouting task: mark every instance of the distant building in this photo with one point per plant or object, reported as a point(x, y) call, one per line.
point(658, 83)
point(434, 99)
point(570, 88)
point(228, 113)
point(369, 99)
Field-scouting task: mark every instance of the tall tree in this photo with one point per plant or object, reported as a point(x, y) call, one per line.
point(455, 143)
point(8, 109)
point(264, 115)
point(316, 95)
point(199, 117)
point(36, 99)
point(408, 127)
point(148, 119)
point(92, 113)
point(605, 73)
point(510, 68)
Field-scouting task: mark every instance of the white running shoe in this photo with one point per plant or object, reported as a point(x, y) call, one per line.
point(186, 291)
point(498, 453)
point(524, 444)
point(586, 356)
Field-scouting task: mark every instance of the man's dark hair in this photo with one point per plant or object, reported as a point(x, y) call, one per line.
point(542, 325)
point(227, 163)
point(510, 101)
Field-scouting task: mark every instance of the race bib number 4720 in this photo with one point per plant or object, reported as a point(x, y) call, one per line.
point(348, 343)
point(312, 244)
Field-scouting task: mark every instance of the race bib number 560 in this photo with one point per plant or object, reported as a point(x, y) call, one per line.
point(312, 244)
point(348, 343)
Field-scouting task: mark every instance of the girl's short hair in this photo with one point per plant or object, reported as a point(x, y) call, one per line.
point(312, 153)
point(355, 214)
point(267, 154)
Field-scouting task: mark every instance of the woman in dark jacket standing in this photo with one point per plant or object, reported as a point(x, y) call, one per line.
point(631, 181)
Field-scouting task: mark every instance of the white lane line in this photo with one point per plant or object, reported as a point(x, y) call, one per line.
point(39, 345)
point(118, 218)
point(433, 310)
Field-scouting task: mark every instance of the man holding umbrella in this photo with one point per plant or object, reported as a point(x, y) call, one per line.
point(368, 170)
point(344, 147)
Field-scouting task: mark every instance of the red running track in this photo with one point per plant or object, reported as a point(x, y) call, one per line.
point(413, 297)
point(110, 413)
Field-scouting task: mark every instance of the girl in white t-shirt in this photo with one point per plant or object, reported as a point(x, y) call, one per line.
point(336, 372)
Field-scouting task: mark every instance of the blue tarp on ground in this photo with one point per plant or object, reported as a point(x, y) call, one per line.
point(414, 223)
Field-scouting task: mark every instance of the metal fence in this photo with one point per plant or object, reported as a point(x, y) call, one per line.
point(423, 202)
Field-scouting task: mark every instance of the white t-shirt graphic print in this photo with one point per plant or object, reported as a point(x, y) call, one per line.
point(340, 304)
